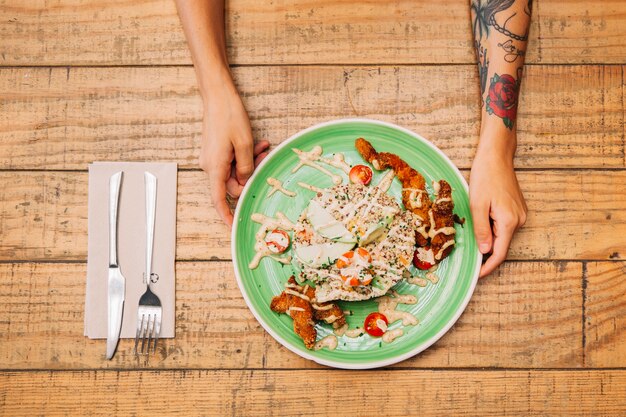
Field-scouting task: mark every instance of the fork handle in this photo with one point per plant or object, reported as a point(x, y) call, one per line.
point(151, 195)
point(114, 196)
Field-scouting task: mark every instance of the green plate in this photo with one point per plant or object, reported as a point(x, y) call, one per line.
point(438, 306)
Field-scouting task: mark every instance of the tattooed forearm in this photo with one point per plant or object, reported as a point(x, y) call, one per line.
point(500, 30)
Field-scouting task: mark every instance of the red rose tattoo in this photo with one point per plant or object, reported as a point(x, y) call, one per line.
point(502, 98)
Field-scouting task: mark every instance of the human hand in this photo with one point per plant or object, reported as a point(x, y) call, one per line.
point(497, 205)
point(228, 152)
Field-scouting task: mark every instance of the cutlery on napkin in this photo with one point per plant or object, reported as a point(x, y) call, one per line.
point(131, 243)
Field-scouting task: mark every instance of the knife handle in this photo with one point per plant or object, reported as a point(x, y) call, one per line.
point(115, 183)
point(151, 195)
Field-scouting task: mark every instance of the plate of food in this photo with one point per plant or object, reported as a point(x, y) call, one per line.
point(353, 244)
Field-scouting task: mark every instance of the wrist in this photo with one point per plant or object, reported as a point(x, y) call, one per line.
point(496, 138)
point(216, 84)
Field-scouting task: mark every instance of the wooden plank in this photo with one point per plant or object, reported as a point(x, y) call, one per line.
point(605, 315)
point(280, 393)
point(147, 32)
point(579, 31)
point(527, 315)
point(572, 215)
point(62, 118)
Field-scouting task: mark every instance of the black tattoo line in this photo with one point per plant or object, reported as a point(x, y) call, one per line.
point(485, 12)
point(512, 52)
point(503, 30)
point(483, 67)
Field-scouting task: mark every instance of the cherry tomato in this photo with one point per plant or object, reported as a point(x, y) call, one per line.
point(277, 241)
point(361, 174)
point(376, 324)
point(419, 264)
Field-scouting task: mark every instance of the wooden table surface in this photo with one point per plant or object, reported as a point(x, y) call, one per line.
point(112, 80)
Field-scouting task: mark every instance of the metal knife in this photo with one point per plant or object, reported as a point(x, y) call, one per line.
point(117, 282)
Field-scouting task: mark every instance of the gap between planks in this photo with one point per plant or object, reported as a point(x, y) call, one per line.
point(319, 64)
point(321, 369)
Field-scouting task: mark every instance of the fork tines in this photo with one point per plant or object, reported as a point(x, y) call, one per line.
point(148, 329)
point(148, 323)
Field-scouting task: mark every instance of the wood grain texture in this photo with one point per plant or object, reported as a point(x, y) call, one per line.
point(526, 315)
point(263, 393)
point(62, 118)
point(297, 63)
point(572, 215)
point(147, 32)
point(605, 314)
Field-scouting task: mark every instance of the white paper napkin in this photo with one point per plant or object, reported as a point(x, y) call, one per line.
point(131, 244)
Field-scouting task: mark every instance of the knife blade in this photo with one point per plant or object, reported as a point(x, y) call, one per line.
point(117, 282)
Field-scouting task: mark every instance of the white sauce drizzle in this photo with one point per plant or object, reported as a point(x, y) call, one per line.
point(415, 196)
point(329, 342)
point(445, 230)
point(278, 186)
point(322, 308)
point(341, 330)
point(385, 182)
point(436, 187)
point(404, 298)
point(387, 306)
point(272, 222)
point(310, 158)
point(445, 245)
point(267, 224)
point(392, 335)
point(354, 333)
point(422, 231)
point(434, 232)
point(338, 161)
point(426, 255)
point(260, 254)
point(311, 187)
point(420, 282)
point(297, 294)
point(432, 277)
point(294, 286)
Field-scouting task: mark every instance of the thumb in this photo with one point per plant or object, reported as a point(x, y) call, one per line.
point(482, 226)
point(244, 160)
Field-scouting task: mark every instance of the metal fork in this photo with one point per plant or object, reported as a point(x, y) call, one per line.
point(149, 311)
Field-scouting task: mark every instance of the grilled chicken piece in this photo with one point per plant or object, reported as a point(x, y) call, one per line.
point(437, 217)
point(301, 312)
point(327, 312)
point(442, 231)
point(414, 194)
point(304, 310)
